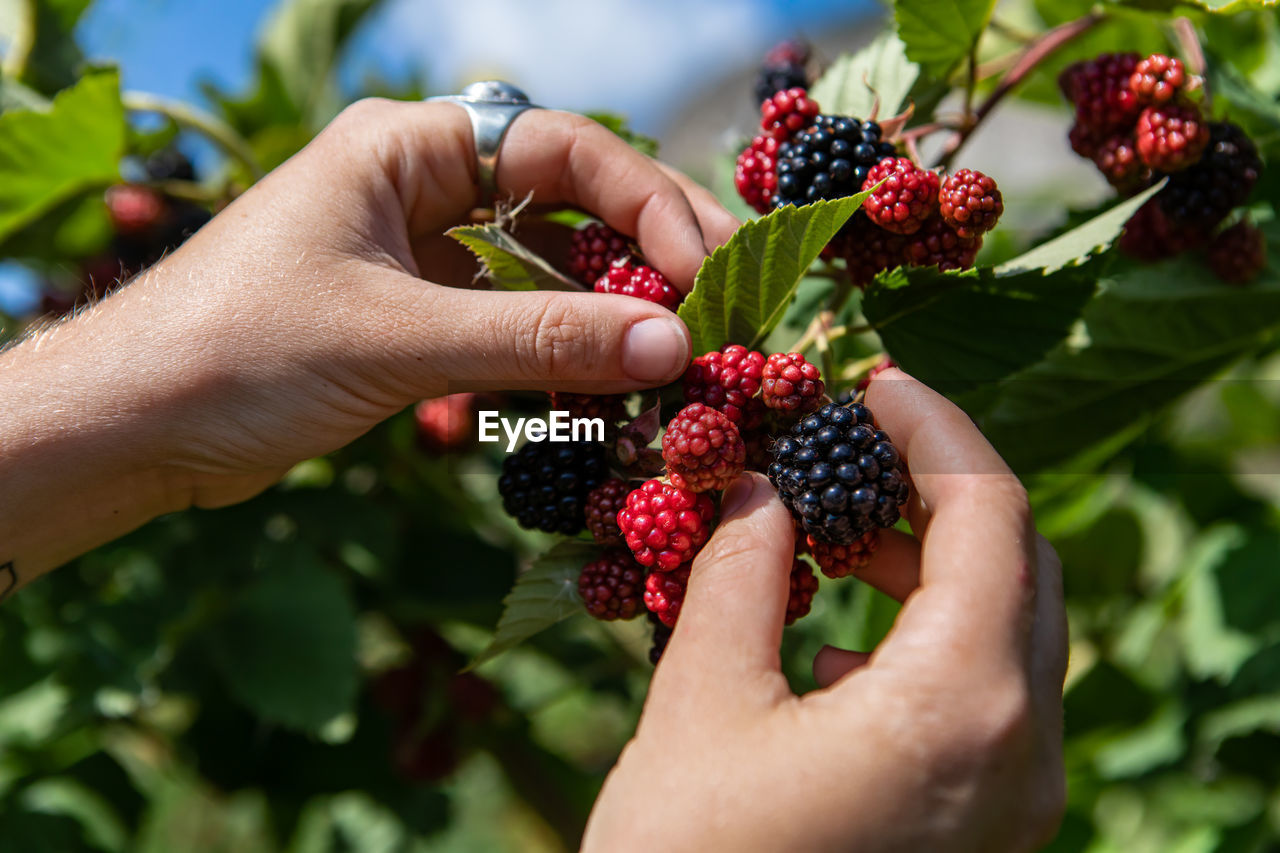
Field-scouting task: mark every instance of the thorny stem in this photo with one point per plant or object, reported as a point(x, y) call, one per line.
point(1038, 51)
point(186, 115)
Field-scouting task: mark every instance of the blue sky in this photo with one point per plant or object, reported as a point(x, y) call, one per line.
point(631, 56)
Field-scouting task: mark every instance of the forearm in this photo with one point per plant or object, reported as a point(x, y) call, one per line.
point(80, 454)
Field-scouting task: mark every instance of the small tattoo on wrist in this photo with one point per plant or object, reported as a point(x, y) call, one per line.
point(8, 579)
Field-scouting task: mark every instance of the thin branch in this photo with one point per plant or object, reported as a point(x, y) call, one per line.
point(1037, 52)
point(186, 115)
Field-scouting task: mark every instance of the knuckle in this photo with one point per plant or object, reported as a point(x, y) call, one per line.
point(363, 112)
point(358, 122)
point(561, 338)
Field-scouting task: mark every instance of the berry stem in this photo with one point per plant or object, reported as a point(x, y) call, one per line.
point(1036, 52)
point(186, 115)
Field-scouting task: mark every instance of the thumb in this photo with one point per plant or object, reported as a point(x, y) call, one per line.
point(732, 617)
point(551, 340)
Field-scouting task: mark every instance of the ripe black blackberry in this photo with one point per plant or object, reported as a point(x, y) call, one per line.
point(784, 67)
point(1204, 194)
point(839, 475)
point(830, 159)
point(544, 485)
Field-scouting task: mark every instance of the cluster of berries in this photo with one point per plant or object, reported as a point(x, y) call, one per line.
point(735, 399)
point(146, 225)
point(1136, 120)
point(913, 217)
point(610, 263)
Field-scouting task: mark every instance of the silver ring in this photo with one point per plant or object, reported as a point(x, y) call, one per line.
point(491, 105)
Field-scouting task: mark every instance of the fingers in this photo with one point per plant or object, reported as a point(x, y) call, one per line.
point(731, 621)
point(895, 566)
point(831, 664)
point(538, 340)
point(717, 223)
point(561, 157)
point(977, 559)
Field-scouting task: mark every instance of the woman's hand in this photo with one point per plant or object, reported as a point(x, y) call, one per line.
point(947, 737)
point(319, 304)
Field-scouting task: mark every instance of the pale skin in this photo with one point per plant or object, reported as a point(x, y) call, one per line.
point(326, 299)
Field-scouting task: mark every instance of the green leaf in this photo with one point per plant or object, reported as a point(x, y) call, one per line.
point(940, 33)
point(41, 46)
point(543, 595)
point(1152, 334)
point(1078, 244)
point(287, 646)
point(744, 288)
point(855, 83)
point(1227, 83)
point(74, 228)
point(303, 42)
point(297, 58)
point(507, 262)
point(646, 145)
point(49, 157)
point(960, 330)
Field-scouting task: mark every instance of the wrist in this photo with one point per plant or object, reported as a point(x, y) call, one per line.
point(81, 452)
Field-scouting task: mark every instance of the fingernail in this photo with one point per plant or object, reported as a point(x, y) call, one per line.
point(655, 350)
point(737, 495)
